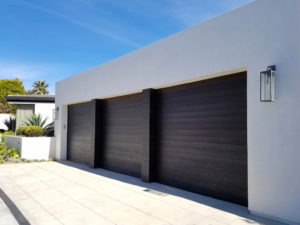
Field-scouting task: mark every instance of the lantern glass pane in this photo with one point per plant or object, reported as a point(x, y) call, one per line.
point(265, 86)
point(273, 85)
point(54, 114)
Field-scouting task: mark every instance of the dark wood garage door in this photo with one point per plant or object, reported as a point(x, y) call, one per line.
point(122, 144)
point(79, 133)
point(202, 137)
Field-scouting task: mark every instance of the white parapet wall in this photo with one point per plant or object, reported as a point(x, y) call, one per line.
point(40, 148)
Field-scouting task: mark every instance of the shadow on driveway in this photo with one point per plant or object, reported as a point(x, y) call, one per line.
point(163, 190)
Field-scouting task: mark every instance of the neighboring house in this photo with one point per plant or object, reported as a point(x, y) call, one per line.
point(29, 104)
point(186, 111)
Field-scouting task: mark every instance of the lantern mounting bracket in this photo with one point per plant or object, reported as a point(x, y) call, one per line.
point(272, 68)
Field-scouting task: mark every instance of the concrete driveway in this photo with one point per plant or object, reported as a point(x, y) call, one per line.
point(68, 193)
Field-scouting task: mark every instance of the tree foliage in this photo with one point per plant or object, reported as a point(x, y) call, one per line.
point(6, 108)
point(40, 87)
point(9, 87)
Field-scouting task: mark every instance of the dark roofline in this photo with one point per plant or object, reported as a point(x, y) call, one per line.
point(30, 98)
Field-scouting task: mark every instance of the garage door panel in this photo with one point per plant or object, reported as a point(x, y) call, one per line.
point(209, 113)
point(115, 113)
point(205, 126)
point(186, 107)
point(234, 158)
point(123, 124)
point(123, 148)
point(130, 138)
point(208, 186)
point(170, 145)
point(122, 137)
point(207, 120)
point(220, 192)
point(121, 156)
point(207, 133)
point(202, 144)
point(206, 164)
point(221, 83)
point(123, 104)
point(204, 102)
point(79, 133)
point(123, 167)
point(208, 180)
point(228, 140)
point(202, 96)
point(74, 111)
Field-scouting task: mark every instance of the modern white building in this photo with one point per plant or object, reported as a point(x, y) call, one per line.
point(29, 104)
point(187, 110)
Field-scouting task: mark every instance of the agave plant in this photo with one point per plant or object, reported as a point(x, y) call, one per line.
point(49, 129)
point(10, 123)
point(35, 120)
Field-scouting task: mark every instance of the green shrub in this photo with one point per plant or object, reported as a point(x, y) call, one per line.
point(13, 153)
point(1, 160)
point(34, 131)
point(30, 131)
point(6, 133)
point(2, 150)
point(21, 131)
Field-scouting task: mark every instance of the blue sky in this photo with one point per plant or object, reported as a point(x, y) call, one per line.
point(54, 39)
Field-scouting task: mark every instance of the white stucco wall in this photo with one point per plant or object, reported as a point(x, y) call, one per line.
point(40, 148)
point(3, 116)
point(46, 110)
point(263, 33)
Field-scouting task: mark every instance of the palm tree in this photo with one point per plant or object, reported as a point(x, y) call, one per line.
point(40, 87)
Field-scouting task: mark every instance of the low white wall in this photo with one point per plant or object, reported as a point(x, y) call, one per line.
point(3, 116)
point(13, 142)
point(32, 147)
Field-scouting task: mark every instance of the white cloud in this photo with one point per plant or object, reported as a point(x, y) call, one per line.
point(87, 26)
point(22, 71)
point(191, 12)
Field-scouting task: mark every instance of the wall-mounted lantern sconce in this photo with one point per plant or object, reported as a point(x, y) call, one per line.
point(268, 85)
point(55, 113)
